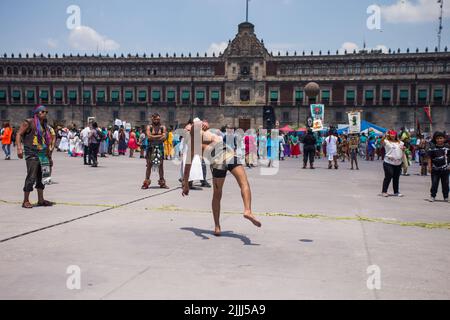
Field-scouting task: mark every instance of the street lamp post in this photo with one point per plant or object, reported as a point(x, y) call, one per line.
point(415, 104)
point(82, 100)
point(192, 98)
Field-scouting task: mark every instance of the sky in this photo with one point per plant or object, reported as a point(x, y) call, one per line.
point(205, 26)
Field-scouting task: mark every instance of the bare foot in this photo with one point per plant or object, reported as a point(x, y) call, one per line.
point(217, 232)
point(252, 218)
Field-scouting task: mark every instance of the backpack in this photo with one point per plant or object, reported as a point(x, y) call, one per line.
point(100, 136)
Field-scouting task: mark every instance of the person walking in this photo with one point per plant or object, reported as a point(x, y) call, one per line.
point(392, 163)
point(439, 165)
point(6, 137)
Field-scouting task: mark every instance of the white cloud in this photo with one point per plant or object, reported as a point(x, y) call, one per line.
point(349, 46)
point(282, 47)
point(408, 11)
point(86, 38)
point(217, 48)
point(382, 47)
point(52, 44)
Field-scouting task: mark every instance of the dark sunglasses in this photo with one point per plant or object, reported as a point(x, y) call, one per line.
point(46, 112)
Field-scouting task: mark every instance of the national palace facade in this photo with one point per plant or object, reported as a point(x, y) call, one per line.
point(245, 86)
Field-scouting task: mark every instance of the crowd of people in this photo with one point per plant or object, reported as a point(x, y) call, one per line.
point(156, 143)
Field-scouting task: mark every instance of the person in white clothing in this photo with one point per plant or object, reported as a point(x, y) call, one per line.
point(115, 148)
point(84, 135)
point(392, 163)
point(331, 144)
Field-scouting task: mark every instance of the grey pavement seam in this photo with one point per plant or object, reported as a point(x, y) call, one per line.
point(85, 216)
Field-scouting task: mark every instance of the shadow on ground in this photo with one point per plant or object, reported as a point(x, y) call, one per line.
point(225, 234)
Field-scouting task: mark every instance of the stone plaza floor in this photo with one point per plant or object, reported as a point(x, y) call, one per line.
point(322, 231)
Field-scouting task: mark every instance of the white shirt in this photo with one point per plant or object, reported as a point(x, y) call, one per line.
point(394, 152)
point(116, 135)
point(331, 144)
point(85, 135)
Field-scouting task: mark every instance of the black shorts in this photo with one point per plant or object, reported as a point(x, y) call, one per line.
point(222, 173)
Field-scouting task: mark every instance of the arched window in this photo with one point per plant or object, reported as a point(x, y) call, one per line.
point(16, 71)
point(24, 71)
point(9, 71)
point(439, 68)
point(59, 72)
point(1, 71)
point(403, 68)
point(350, 69)
point(375, 68)
point(393, 68)
point(420, 68)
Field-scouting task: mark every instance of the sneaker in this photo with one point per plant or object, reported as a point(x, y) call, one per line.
point(432, 199)
point(386, 195)
point(446, 200)
point(398, 195)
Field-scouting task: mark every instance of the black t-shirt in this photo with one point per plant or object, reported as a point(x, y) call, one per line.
point(440, 157)
point(309, 140)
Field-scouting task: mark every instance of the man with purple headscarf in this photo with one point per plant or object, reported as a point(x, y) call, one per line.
point(36, 136)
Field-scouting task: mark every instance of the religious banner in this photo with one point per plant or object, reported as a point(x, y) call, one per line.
point(317, 125)
point(318, 111)
point(354, 120)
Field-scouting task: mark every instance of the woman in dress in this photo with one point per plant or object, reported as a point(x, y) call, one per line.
point(132, 143)
point(64, 143)
point(72, 142)
point(104, 143)
point(295, 149)
point(287, 145)
point(122, 142)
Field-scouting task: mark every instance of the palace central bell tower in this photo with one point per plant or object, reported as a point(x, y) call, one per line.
point(245, 68)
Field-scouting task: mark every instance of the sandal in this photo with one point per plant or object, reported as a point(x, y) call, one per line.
point(45, 204)
point(27, 205)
